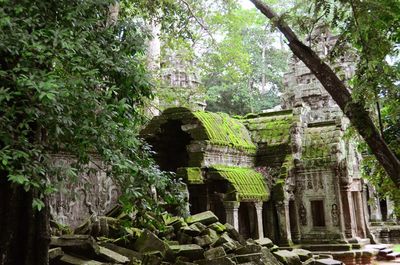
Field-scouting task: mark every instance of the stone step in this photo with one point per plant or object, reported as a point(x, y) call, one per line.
point(385, 252)
point(392, 256)
point(328, 247)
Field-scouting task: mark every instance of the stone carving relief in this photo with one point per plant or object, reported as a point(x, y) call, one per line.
point(303, 215)
point(335, 215)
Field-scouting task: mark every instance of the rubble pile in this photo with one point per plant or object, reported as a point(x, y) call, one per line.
point(197, 240)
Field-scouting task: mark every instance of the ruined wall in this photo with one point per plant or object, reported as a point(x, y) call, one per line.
point(77, 199)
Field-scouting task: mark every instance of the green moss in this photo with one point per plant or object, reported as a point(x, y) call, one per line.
point(248, 183)
point(270, 130)
point(224, 130)
point(192, 175)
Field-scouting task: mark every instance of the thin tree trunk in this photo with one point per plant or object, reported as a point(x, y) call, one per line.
point(24, 232)
point(355, 111)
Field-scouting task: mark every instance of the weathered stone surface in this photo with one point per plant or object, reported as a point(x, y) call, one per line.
point(203, 241)
point(149, 242)
point(191, 251)
point(68, 259)
point(265, 242)
point(218, 261)
point(184, 238)
point(233, 233)
point(303, 254)
point(191, 230)
point(248, 249)
point(76, 243)
point(255, 257)
point(131, 254)
point(205, 218)
point(218, 227)
point(327, 262)
point(201, 227)
point(287, 257)
point(151, 260)
point(268, 258)
point(214, 253)
point(112, 256)
point(55, 253)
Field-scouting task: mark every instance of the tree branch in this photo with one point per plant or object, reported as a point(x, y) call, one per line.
point(355, 111)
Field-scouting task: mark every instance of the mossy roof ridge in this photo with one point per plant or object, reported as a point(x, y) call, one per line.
point(248, 183)
point(221, 129)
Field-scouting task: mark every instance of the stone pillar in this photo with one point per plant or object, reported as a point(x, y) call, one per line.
point(360, 217)
point(232, 213)
point(375, 207)
point(284, 222)
point(390, 209)
point(259, 210)
point(348, 212)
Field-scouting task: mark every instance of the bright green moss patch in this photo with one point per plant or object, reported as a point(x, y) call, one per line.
point(270, 130)
point(248, 183)
point(192, 175)
point(224, 130)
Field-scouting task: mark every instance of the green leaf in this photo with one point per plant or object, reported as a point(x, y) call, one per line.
point(37, 204)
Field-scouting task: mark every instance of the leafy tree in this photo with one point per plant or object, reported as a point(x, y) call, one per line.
point(379, 18)
point(243, 71)
point(70, 81)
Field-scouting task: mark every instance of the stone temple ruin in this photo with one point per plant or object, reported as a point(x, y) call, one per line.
point(289, 175)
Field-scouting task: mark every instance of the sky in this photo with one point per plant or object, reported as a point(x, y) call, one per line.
point(246, 4)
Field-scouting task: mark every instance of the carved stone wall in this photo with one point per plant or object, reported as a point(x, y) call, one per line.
point(76, 200)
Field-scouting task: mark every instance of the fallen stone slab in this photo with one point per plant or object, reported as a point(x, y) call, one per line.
point(191, 251)
point(303, 254)
point(265, 242)
point(248, 249)
point(233, 233)
point(149, 259)
point(268, 258)
point(112, 256)
point(327, 262)
point(217, 227)
point(203, 241)
point(217, 261)
point(214, 253)
point(205, 218)
point(76, 243)
point(150, 242)
point(68, 259)
point(191, 230)
point(129, 253)
point(287, 257)
point(253, 257)
point(55, 253)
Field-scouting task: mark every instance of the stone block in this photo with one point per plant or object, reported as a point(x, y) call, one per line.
point(191, 251)
point(201, 227)
point(287, 257)
point(151, 260)
point(112, 256)
point(303, 254)
point(131, 254)
point(205, 218)
point(218, 261)
point(233, 233)
point(71, 260)
point(214, 253)
point(217, 227)
point(253, 257)
point(191, 230)
point(76, 243)
point(184, 238)
point(268, 258)
point(265, 242)
point(55, 253)
point(150, 242)
point(248, 249)
point(327, 262)
point(203, 241)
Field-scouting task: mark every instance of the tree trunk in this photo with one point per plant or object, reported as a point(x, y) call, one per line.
point(24, 232)
point(355, 111)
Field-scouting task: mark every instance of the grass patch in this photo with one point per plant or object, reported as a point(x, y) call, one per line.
point(396, 248)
